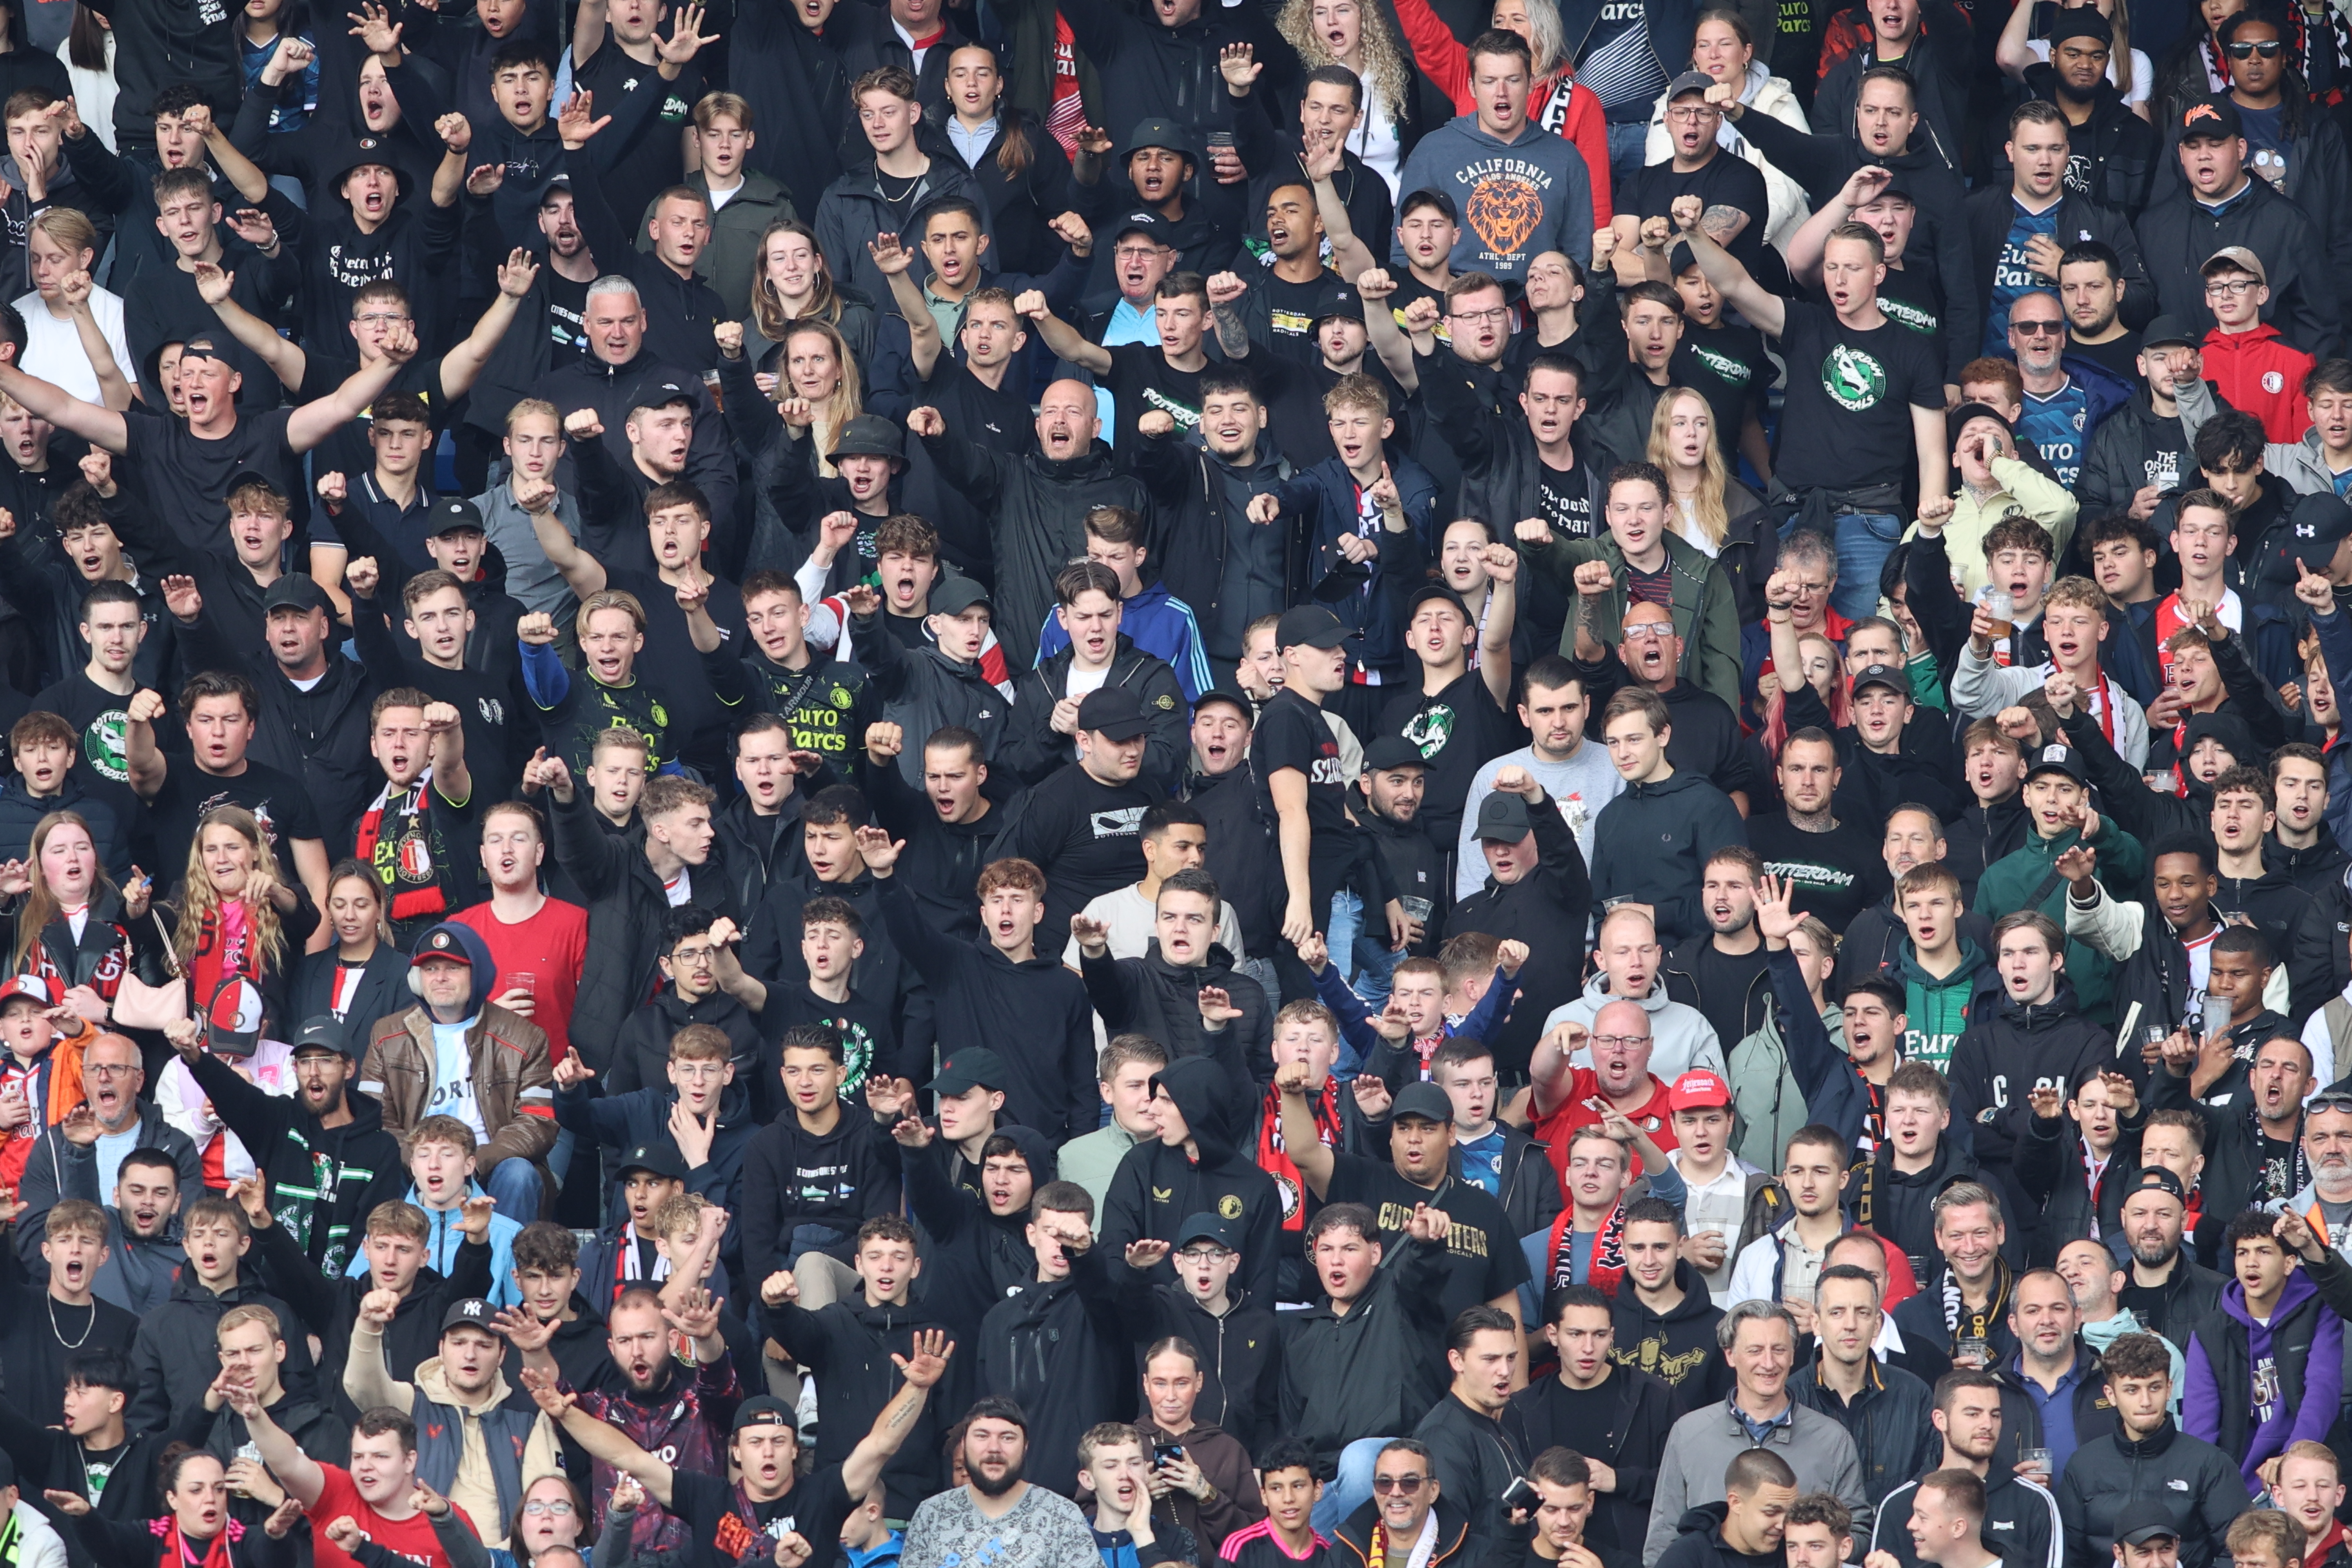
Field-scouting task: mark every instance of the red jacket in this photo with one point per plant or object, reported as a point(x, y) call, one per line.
point(1446, 60)
point(2259, 372)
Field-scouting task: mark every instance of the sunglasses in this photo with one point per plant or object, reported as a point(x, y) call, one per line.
point(2330, 1101)
point(1408, 1485)
point(2268, 49)
point(2037, 329)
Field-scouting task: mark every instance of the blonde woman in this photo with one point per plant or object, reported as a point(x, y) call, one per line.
point(73, 329)
point(1357, 34)
point(234, 920)
point(1712, 511)
point(70, 924)
point(817, 389)
point(792, 283)
point(1724, 47)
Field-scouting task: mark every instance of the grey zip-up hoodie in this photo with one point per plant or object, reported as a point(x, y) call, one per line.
point(1517, 198)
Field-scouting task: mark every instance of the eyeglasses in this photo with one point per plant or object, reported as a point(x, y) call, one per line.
point(2232, 289)
point(556, 1510)
point(1500, 314)
point(2331, 1102)
point(107, 1069)
point(1693, 116)
point(1408, 1485)
point(1203, 1254)
point(1619, 1042)
point(2268, 49)
point(2037, 329)
point(1650, 629)
point(693, 956)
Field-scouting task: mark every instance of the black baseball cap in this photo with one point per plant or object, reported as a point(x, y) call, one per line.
point(1386, 752)
point(1689, 82)
point(452, 514)
point(2145, 1520)
point(1158, 131)
point(765, 1410)
point(955, 594)
point(653, 1161)
point(1207, 1228)
point(296, 590)
point(1229, 698)
point(2170, 329)
point(473, 1312)
point(2057, 758)
point(1430, 196)
point(2081, 22)
point(1885, 675)
point(1425, 1101)
point(1441, 593)
point(659, 391)
point(2215, 116)
point(323, 1033)
point(1503, 817)
point(1310, 626)
point(2157, 1176)
point(1150, 225)
point(974, 1067)
point(1113, 712)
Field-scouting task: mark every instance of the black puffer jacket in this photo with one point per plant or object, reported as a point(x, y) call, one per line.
point(175, 1357)
point(1547, 909)
point(1158, 1188)
point(2183, 231)
point(1476, 1457)
point(2197, 1483)
point(1058, 1347)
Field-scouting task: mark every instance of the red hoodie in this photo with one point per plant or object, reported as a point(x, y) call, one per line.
point(2258, 372)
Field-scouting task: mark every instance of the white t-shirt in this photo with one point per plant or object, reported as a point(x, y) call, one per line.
point(453, 1079)
point(53, 348)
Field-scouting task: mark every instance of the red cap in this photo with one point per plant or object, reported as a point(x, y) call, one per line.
point(1697, 1088)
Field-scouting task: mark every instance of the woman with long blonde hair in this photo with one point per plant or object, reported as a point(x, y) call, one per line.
point(1356, 34)
point(69, 924)
point(1712, 511)
point(236, 919)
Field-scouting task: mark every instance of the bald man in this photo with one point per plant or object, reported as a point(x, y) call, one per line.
point(1035, 504)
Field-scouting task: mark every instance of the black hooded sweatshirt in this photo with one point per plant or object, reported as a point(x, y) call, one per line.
point(323, 1180)
point(1156, 1189)
point(1057, 1347)
point(1149, 995)
point(1678, 1347)
point(848, 1346)
point(986, 998)
point(792, 1177)
point(1701, 1544)
point(971, 1258)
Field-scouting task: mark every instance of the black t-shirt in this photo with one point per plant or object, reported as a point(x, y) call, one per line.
point(814, 1509)
point(1723, 981)
point(1564, 498)
point(2276, 1175)
point(1725, 180)
point(1838, 874)
point(1483, 1261)
point(649, 164)
point(1142, 380)
point(1084, 834)
point(347, 450)
point(276, 800)
point(187, 479)
point(1847, 422)
point(1458, 730)
point(1725, 363)
point(1282, 314)
point(567, 317)
point(1293, 733)
point(103, 719)
point(1909, 299)
point(997, 418)
point(2120, 355)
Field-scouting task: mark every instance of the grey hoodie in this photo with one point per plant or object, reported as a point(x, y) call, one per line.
point(1518, 199)
point(2299, 463)
point(1680, 1037)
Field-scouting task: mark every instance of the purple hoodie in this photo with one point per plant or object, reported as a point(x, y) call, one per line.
point(2272, 1425)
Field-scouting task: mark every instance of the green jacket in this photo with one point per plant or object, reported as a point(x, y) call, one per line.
point(2010, 880)
point(1938, 1009)
point(1706, 619)
point(1766, 1102)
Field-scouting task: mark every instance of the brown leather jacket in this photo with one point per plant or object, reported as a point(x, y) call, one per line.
point(513, 1076)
